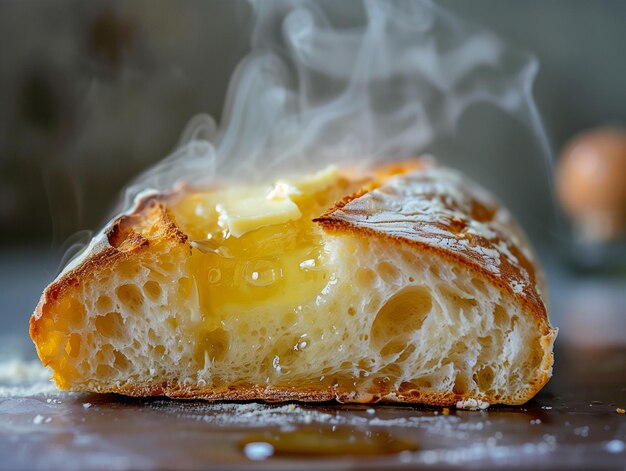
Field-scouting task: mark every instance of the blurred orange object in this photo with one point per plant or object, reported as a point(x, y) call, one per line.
point(591, 183)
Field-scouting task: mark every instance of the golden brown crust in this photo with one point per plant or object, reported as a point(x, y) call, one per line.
point(445, 229)
point(277, 394)
point(126, 236)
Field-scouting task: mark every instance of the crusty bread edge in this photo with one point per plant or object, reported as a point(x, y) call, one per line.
point(530, 299)
point(112, 246)
point(106, 255)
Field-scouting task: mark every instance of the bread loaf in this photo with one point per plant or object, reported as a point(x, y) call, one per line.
point(406, 283)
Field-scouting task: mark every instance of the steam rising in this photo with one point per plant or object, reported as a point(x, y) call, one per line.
point(317, 89)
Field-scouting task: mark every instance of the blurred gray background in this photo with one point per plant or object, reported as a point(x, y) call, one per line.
point(94, 92)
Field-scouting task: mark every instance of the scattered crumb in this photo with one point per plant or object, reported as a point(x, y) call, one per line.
point(24, 378)
point(52, 400)
point(472, 404)
point(87, 405)
point(38, 419)
point(16, 369)
point(473, 426)
point(405, 456)
point(548, 438)
point(619, 410)
point(371, 411)
point(582, 431)
point(258, 451)
point(445, 411)
point(546, 407)
point(535, 421)
point(262, 415)
point(615, 446)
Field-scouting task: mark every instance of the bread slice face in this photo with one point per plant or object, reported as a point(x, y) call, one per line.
point(415, 286)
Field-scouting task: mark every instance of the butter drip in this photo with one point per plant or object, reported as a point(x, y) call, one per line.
point(256, 251)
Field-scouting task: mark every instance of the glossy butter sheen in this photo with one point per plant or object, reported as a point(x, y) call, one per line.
point(256, 253)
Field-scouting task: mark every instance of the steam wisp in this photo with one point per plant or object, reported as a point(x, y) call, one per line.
point(312, 92)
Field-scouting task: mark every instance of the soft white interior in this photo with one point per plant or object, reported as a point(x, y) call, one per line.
point(391, 319)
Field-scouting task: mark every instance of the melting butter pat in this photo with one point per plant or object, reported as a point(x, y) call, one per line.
point(245, 210)
point(244, 215)
point(313, 183)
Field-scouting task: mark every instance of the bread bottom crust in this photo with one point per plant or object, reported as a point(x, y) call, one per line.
point(341, 395)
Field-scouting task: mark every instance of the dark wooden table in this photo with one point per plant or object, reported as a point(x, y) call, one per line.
point(572, 423)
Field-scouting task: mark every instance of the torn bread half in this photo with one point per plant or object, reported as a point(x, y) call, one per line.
point(406, 283)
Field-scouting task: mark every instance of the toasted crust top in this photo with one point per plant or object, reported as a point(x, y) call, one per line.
point(146, 222)
point(438, 209)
